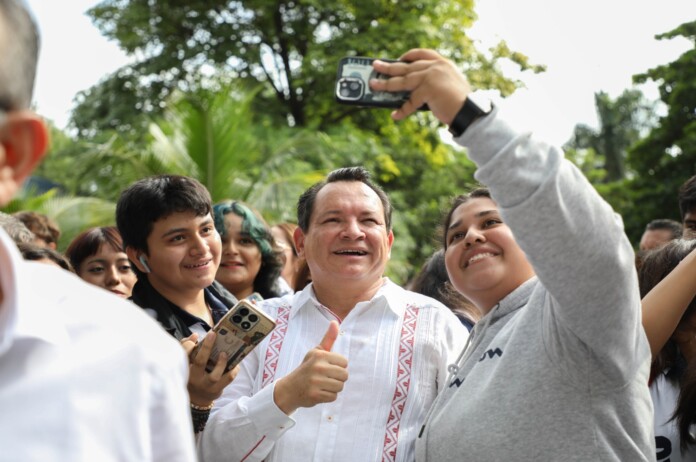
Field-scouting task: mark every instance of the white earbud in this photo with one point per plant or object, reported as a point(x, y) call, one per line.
point(143, 261)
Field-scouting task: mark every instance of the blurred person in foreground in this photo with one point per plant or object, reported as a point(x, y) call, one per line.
point(77, 383)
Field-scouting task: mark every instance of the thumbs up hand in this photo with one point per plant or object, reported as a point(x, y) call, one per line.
point(318, 379)
point(330, 336)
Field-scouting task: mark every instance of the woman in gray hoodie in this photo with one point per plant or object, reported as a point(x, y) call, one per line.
point(557, 367)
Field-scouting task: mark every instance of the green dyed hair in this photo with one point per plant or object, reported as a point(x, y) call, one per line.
point(253, 226)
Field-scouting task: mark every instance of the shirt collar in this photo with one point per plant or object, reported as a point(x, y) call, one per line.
point(389, 293)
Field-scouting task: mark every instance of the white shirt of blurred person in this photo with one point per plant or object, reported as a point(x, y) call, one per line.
point(77, 383)
point(355, 360)
point(97, 257)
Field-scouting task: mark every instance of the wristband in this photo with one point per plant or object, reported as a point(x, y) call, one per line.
point(469, 112)
point(199, 416)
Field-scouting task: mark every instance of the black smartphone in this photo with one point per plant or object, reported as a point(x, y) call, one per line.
point(238, 332)
point(352, 84)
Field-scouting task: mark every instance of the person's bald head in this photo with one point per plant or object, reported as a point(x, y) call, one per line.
point(19, 48)
point(23, 135)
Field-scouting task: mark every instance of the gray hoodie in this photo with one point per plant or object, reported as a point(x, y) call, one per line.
point(558, 370)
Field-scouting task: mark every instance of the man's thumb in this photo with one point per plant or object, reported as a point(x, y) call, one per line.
point(330, 336)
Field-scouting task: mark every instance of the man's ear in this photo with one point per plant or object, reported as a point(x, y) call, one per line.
point(24, 141)
point(298, 236)
point(390, 242)
point(134, 256)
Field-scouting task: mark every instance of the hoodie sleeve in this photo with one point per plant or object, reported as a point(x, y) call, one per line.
point(571, 236)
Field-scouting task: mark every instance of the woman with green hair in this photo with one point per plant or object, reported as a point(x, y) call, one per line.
point(250, 263)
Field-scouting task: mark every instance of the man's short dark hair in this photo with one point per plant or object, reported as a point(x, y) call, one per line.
point(20, 52)
point(305, 206)
point(670, 225)
point(687, 196)
point(154, 198)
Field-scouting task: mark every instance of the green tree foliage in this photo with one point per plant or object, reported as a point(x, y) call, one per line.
point(291, 46)
point(277, 129)
point(667, 156)
point(622, 121)
point(72, 214)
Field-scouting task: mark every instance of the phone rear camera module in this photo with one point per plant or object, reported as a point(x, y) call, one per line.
point(236, 319)
point(351, 88)
point(246, 325)
point(253, 318)
point(244, 311)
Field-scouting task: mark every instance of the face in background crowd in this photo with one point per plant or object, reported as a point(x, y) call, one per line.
point(483, 259)
point(97, 256)
point(690, 224)
point(250, 263)
point(110, 269)
point(241, 258)
point(654, 238)
point(282, 234)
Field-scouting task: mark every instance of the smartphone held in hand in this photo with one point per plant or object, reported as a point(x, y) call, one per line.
point(352, 84)
point(237, 333)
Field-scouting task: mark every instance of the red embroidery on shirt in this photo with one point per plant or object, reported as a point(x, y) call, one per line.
point(253, 449)
point(275, 344)
point(403, 383)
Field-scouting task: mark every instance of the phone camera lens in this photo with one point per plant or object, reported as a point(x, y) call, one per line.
point(244, 311)
point(246, 325)
point(236, 319)
point(354, 86)
point(253, 318)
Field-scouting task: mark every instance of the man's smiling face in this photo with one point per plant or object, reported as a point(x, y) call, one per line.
point(347, 238)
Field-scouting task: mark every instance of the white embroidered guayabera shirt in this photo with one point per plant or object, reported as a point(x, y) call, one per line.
point(398, 346)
